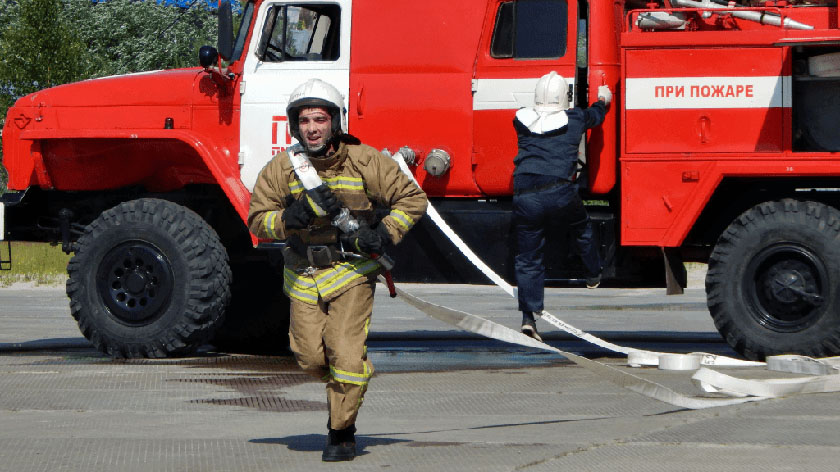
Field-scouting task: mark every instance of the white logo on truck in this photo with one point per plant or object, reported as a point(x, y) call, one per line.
point(707, 92)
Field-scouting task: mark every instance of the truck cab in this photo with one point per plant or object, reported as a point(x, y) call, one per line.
point(717, 148)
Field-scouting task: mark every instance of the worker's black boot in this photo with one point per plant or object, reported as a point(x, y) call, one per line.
point(341, 445)
point(529, 325)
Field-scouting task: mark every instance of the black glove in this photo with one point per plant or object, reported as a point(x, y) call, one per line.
point(324, 198)
point(364, 240)
point(383, 233)
point(298, 215)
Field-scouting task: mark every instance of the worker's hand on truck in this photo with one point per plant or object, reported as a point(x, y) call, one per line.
point(604, 94)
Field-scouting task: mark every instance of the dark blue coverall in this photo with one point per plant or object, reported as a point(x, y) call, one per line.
point(545, 195)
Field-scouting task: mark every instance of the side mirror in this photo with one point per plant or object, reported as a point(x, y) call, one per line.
point(225, 43)
point(208, 56)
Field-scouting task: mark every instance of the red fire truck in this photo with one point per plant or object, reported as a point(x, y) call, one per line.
point(719, 148)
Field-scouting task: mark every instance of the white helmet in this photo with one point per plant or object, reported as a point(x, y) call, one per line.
point(552, 93)
point(317, 93)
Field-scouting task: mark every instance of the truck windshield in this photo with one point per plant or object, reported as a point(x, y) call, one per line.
point(307, 32)
point(242, 32)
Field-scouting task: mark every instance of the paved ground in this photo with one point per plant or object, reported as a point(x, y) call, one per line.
point(440, 400)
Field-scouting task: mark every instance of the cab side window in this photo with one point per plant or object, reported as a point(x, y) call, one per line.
point(530, 29)
point(300, 33)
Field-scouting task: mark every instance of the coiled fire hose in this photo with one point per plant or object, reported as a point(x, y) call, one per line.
point(709, 381)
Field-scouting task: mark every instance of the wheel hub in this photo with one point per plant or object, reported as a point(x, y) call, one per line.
point(787, 287)
point(135, 282)
point(785, 284)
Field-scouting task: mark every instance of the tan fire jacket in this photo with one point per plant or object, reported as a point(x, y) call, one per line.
point(361, 177)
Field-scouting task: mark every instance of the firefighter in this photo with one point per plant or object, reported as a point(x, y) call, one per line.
point(544, 191)
point(329, 276)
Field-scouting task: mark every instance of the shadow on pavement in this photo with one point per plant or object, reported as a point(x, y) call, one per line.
point(316, 442)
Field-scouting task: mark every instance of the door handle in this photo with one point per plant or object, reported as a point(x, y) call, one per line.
point(360, 102)
point(704, 125)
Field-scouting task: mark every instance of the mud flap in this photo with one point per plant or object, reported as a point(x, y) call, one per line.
point(5, 257)
point(676, 277)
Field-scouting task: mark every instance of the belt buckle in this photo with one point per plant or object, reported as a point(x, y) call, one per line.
point(319, 256)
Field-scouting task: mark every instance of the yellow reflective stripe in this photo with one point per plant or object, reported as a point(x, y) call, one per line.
point(298, 287)
point(318, 210)
point(362, 396)
point(340, 269)
point(351, 377)
point(402, 218)
point(296, 186)
point(343, 182)
point(367, 329)
point(304, 297)
point(344, 178)
point(342, 275)
point(268, 223)
point(293, 277)
point(307, 289)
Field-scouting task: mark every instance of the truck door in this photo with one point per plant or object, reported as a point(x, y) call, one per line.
point(292, 42)
point(522, 41)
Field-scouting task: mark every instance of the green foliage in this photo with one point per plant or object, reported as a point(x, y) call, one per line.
point(4, 178)
point(37, 50)
point(123, 36)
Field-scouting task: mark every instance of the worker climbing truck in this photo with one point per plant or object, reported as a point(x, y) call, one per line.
point(720, 147)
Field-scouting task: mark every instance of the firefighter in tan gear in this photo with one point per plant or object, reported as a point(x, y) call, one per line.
point(329, 275)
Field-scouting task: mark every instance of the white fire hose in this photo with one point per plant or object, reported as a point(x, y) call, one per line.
point(706, 379)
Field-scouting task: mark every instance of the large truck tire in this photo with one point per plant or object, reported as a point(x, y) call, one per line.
point(149, 278)
point(257, 320)
point(773, 283)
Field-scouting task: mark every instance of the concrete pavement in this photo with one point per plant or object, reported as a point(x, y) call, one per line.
point(439, 401)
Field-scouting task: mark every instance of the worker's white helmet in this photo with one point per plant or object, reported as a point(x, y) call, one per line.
point(552, 93)
point(317, 93)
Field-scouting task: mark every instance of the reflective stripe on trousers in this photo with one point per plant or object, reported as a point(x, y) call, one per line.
point(326, 282)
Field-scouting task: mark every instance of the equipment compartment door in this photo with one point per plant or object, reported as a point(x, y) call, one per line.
point(706, 100)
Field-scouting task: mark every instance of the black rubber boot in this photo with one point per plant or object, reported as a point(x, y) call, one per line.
point(341, 445)
point(529, 326)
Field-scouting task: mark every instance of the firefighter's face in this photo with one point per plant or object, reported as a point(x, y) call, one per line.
point(315, 128)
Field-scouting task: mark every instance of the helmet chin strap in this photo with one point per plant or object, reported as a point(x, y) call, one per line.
point(320, 152)
point(323, 150)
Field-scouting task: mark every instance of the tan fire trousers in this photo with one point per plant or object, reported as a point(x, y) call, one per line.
point(329, 342)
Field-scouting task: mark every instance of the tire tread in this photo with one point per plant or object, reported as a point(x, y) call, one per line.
point(209, 278)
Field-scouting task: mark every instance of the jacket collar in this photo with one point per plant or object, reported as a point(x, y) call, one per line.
point(332, 160)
